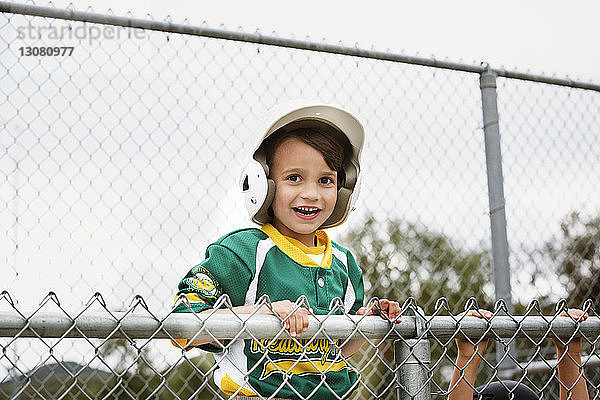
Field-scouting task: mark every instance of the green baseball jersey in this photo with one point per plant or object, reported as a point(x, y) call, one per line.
point(249, 263)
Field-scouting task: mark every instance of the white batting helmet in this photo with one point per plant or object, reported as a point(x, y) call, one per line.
point(259, 190)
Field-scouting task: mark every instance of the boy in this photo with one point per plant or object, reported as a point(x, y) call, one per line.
point(302, 177)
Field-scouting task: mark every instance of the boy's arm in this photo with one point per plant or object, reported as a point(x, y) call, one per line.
point(465, 369)
point(570, 369)
point(388, 309)
point(467, 363)
point(294, 316)
point(223, 272)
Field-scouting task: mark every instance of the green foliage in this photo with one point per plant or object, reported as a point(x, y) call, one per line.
point(191, 378)
point(576, 257)
point(57, 380)
point(131, 376)
point(401, 259)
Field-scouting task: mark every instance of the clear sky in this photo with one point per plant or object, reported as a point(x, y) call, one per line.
point(550, 37)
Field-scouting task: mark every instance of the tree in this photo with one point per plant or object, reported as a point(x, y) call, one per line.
point(576, 257)
point(401, 259)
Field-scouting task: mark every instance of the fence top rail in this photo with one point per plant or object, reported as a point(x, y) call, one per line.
point(258, 38)
point(137, 325)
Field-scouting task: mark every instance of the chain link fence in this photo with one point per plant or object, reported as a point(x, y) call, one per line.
point(120, 159)
point(411, 358)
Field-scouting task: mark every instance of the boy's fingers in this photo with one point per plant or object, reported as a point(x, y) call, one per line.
point(481, 313)
point(389, 309)
point(395, 312)
point(370, 309)
point(298, 321)
point(577, 314)
point(293, 322)
point(305, 322)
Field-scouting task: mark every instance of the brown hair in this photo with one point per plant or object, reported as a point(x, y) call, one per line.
point(333, 145)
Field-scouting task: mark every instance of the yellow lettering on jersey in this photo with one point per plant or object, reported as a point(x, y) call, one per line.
point(290, 346)
point(324, 347)
point(296, 367)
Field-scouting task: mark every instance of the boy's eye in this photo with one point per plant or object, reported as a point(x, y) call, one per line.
point(293, 178)
point(325, 180)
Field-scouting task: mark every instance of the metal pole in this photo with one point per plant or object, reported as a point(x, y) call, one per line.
point(101, 325)
point(116, 325)
point(164, 26)
point(412, 357)
point(591, 362)
point(493, 156)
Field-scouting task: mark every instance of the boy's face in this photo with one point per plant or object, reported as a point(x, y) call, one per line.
point(305, 190)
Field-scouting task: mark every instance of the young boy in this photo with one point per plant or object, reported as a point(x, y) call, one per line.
point(302, 178)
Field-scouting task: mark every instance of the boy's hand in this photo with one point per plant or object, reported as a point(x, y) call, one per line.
point(466, 349)
point(574, 346)
point(295, 317)
point(388, 309)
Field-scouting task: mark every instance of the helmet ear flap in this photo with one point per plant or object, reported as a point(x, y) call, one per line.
point(258, 191)
point(341, 210)
point(262, 215)
point(346, 198)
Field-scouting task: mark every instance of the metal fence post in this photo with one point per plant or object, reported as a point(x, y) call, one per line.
point(412, 357)
point(493, 156)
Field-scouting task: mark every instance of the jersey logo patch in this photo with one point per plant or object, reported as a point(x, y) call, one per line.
point(203, 283)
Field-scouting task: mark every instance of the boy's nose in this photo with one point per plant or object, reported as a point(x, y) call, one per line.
point(309, 192)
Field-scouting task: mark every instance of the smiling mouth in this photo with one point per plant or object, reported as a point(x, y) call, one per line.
point(306, 211)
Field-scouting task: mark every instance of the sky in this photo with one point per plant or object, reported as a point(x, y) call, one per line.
point(534, 36)
point(543, 37)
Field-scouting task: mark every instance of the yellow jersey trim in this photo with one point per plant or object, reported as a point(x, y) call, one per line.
point(295, 367)
point(192, 298)
point(228, 386)
point(315, 250)
point(297, 251)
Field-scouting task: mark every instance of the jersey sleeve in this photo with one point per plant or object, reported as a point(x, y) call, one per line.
point(221, 272)
point(356, 278)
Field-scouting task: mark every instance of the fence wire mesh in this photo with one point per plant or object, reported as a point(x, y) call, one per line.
point(119, 166)
point(117, 360)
